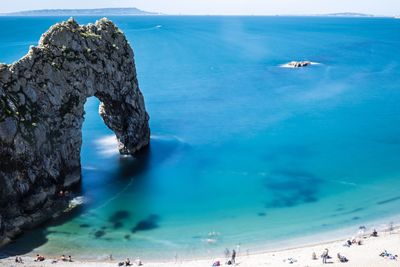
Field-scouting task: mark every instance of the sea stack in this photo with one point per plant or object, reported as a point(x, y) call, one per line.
point(42, 99)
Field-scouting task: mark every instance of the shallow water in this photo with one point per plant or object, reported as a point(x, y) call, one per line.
point(241, 148)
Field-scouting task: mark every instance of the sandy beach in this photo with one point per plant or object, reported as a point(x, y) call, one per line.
point(365, 255)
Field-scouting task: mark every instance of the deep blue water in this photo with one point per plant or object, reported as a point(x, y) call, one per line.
point(240, 146)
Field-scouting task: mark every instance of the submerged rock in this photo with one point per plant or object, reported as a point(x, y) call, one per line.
point(42, 99)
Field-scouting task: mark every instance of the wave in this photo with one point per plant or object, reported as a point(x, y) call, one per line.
point(145, 29)
point(346, 183)
point(167, 138)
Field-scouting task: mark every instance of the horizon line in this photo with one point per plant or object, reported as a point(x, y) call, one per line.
point(155, 13)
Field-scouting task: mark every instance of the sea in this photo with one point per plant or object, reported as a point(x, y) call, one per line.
point(245, 153)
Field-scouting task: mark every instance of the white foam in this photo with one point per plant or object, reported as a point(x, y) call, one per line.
point(107, 146)
point(89, 168)
point(347, 183)
point(167, 138)
point(210, 240)
point(165, 242)
point(76, 201)
point(152, 28)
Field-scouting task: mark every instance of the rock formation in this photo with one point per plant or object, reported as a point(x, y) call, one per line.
point(42, 99)
point(299, 64)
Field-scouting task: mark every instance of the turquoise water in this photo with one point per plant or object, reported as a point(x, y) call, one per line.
point(257, 153)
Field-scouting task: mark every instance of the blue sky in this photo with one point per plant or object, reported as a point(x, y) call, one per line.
point(225, 7)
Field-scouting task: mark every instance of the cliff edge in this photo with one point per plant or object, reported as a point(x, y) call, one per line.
point(42, 99)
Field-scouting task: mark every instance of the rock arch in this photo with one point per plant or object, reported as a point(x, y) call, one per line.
point(42, 99)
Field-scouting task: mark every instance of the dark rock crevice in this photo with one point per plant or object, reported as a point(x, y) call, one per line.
point(42, 99)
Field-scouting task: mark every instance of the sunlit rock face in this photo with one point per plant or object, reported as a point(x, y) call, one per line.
point(42, 99)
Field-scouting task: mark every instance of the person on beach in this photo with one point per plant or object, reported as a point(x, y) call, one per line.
point(18, 260)
point(388, 255)
point(63, 258)
point(139, 262)
point(342, 258)
point(233, 258)
point(227, 253)
point(39, 258)
point(384, 253)
point(374, 233)
point(69, 258)
point(128, 262)
point(314, 256)
point(325, 256)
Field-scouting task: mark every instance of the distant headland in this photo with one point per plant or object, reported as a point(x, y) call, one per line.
point(132, 11)
point(349, 14)
point(129, 11)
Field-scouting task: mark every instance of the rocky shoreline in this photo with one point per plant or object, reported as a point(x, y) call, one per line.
point(42, 99)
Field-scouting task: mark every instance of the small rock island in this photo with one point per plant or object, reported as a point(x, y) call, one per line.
point(299, 64)
point(42, 99)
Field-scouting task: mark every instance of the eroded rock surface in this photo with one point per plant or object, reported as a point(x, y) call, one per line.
point(42, 99)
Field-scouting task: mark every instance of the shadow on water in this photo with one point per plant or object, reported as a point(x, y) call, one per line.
point(342, 212)
point(291, 187)
point(128, 168)
point(119, 216)
point(34, 238)
point(388, 200)
point(147, 224)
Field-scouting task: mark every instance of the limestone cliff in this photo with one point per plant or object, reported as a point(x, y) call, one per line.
point(42, 99)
